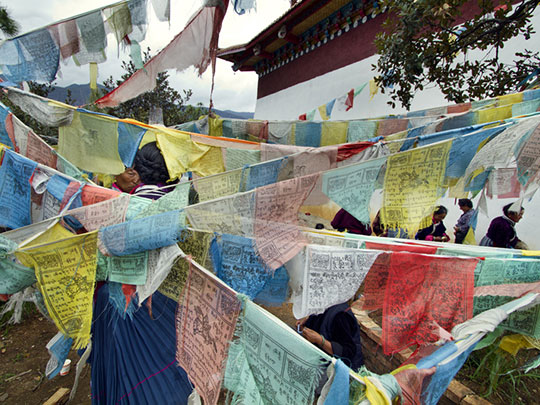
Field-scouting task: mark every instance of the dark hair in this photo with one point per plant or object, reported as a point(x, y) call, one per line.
point(506, 209)
point(150, 165)
point(465, 202)
point(440, 209)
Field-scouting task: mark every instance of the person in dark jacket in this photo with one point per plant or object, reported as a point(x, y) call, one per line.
point(335, 331)
point(436, 231)
point(345, 221)
point(501, 232)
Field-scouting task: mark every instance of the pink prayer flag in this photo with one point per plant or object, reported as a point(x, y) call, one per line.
point(425, 297)
point(205, 324)
point(277, 236)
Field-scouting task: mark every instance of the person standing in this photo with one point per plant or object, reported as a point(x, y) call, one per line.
point(464, 222)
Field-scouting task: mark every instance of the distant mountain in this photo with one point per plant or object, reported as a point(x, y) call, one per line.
point(234, 114)
point(81, 92)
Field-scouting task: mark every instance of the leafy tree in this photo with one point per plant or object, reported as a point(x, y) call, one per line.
point(171, 102)
point(8, 26)
point(69, 98)
point(423, 43)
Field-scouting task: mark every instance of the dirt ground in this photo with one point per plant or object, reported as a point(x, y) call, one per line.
point(23, 358)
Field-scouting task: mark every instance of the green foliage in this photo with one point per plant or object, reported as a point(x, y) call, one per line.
point(8, 26)
point(422, 44)
point(171, 102)
point(498, 376)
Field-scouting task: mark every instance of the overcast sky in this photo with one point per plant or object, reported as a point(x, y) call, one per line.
point(234, 91)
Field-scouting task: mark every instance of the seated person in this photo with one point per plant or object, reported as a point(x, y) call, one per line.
point(345, 221)
point(128, 181)
point(501, 232)
point(335, 331)
point(436, 231)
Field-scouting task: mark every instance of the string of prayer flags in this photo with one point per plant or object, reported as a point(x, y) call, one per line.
point(412, 185)
point(328, 276)
point(495, 153)
point(425, 297)
point(66, 272)
point(270, 363)
point(15, 205)
point(351, 187)
point(195, 46)
point(142, 234)
point(48, 112)
point(205, 323)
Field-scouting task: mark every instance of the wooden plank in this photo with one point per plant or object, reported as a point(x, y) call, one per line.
point(59, 397)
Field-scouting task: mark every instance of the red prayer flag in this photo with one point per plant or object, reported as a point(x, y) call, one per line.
point(425, 297)
point(350, 100)
point(394, 247)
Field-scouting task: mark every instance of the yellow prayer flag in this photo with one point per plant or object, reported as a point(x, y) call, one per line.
point(412, 184)
point(373, 88)
point(514, 343)
point(181, 154)
point(66, 273)
point(216, 126)
point(93, 75)
point(334, 133)
point(469, 237)
point(91, 143)
point(494, 114)
point(322, 111)
point(57, 232)
point(509, 99)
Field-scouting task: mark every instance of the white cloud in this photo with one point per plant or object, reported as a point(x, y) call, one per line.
point(234, 91)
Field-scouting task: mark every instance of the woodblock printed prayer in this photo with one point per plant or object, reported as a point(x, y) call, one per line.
point(205, 323)
point(331, 276)
point(219, 185)
point(66, 272)
point(277, 236)
point(412, 185)
point(425, 296)
point(272, 364)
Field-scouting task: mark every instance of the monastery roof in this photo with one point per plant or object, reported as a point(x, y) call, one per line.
point(307, 24)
